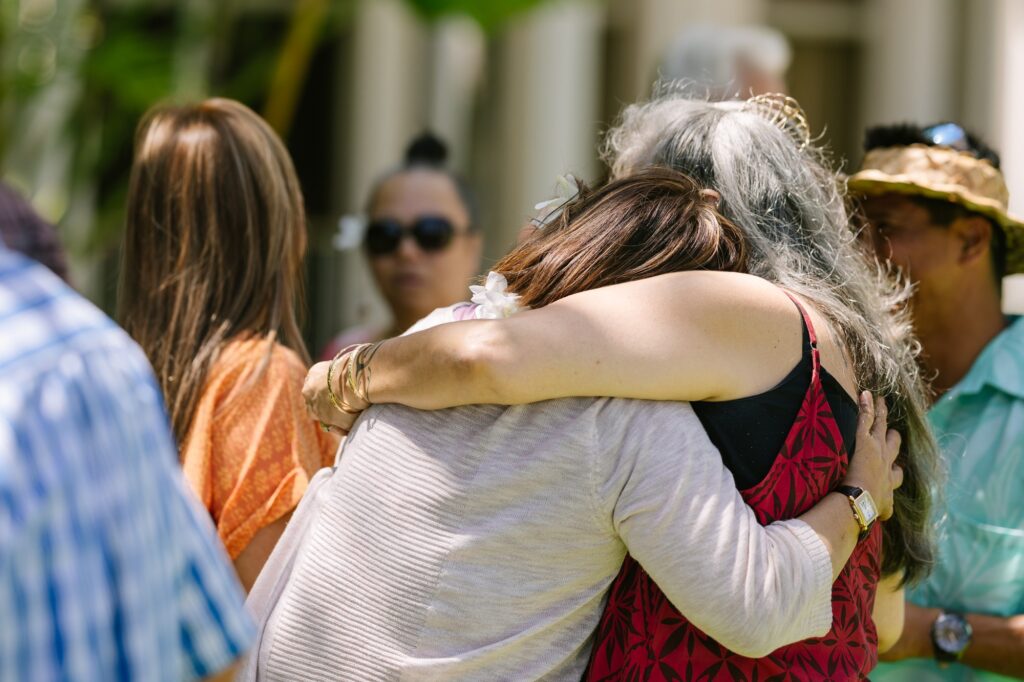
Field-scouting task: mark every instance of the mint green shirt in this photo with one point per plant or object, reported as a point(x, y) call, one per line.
point(979, 424)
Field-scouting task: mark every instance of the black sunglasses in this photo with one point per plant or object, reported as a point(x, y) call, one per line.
point(432, 233)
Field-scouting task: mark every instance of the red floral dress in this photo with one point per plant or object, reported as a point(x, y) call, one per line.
point(641, 636)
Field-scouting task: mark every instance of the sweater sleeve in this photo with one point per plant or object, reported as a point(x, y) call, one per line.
point(666, 493)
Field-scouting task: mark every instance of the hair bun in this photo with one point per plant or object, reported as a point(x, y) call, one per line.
point(427, 149)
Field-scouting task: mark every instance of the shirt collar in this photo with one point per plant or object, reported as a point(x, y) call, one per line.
point(1000, 365)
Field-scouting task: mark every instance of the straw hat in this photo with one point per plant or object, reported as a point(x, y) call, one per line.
point(944, 173)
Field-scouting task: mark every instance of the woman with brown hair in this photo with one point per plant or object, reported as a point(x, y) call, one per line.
point(210, 280)
point(770, 361)
point(480, 542)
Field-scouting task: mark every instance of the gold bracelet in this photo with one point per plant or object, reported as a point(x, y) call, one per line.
point(359, 371)
point(349, 377)
point(340, 403)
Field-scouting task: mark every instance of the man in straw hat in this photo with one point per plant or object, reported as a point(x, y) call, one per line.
point(935, 202)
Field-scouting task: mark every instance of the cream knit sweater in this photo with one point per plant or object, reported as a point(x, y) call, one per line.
point(478, 543)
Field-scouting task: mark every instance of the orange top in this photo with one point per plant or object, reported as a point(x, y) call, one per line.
point(252, 447)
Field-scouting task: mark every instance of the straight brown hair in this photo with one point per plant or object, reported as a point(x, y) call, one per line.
point(214, 239)
point(653, 222)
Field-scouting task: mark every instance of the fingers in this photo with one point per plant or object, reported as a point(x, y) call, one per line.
point(873, 419)
point(893, 440)
point(881, 420)
point(318, 405)
point(897, 476)
point(315, 379)
point(867, 414)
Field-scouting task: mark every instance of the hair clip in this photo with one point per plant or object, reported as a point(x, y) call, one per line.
point(710, 196)
point(567, 188)
point(785, 113)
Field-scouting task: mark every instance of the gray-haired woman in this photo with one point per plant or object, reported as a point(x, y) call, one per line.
point(729, 342)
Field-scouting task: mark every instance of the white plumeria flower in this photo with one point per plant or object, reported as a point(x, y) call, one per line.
point(349, 236)
point(566, 189)
point(494, 299)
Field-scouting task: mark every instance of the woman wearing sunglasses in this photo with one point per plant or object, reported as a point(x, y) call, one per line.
point(421, 241)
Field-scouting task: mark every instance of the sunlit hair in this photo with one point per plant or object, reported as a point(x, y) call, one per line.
point(653, 222)
point(781, 193)
point(214, 239)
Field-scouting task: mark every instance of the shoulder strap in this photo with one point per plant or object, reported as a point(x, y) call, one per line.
point(809, 326)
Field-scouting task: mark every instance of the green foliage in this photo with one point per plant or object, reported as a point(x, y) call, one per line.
point(108, 62)
point(132, 66)
point(489, 13)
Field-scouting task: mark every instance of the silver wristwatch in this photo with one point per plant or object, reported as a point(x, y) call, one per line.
point(951, 635)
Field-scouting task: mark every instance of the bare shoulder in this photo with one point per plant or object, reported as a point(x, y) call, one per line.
point(714, 299)
point(701, 335)
point(693, 288)
point(711, 288)
point(742, 330)
point(696, 309)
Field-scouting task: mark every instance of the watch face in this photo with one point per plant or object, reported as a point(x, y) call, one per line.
point(951, 633)
point(866, 506)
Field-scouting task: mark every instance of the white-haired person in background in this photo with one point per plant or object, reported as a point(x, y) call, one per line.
point(727, 62)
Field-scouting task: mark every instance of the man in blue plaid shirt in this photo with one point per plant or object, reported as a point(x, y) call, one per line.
point(109, 570)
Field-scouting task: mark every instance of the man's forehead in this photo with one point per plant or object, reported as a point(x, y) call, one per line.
point(888, 204)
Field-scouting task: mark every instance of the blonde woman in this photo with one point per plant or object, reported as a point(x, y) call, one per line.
point(210, 278)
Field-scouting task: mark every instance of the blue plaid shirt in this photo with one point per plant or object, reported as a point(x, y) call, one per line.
point(109, 567)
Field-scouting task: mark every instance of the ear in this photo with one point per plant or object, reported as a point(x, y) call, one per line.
point(974, 234)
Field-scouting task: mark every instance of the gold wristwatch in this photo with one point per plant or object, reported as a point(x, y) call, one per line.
point(864, 509)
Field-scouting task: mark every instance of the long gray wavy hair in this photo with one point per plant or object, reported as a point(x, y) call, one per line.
point(777, 186)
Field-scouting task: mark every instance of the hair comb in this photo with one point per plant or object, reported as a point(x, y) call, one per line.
point(785, 113)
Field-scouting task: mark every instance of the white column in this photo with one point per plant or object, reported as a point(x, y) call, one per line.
point(911, 61)
point(383, 80)
point(994, 99)
point(387, 98)
point(545, 122)
point(994, 84)
point(458, 50)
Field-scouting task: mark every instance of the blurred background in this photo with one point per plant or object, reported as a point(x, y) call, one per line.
point(520, 89)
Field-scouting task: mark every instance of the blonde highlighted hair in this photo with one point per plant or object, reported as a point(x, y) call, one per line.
point(779, 189)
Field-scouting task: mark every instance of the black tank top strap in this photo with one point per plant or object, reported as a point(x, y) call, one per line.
point(810, 338)
point(750, 432)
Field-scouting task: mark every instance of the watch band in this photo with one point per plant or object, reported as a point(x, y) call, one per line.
point(852, 494)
